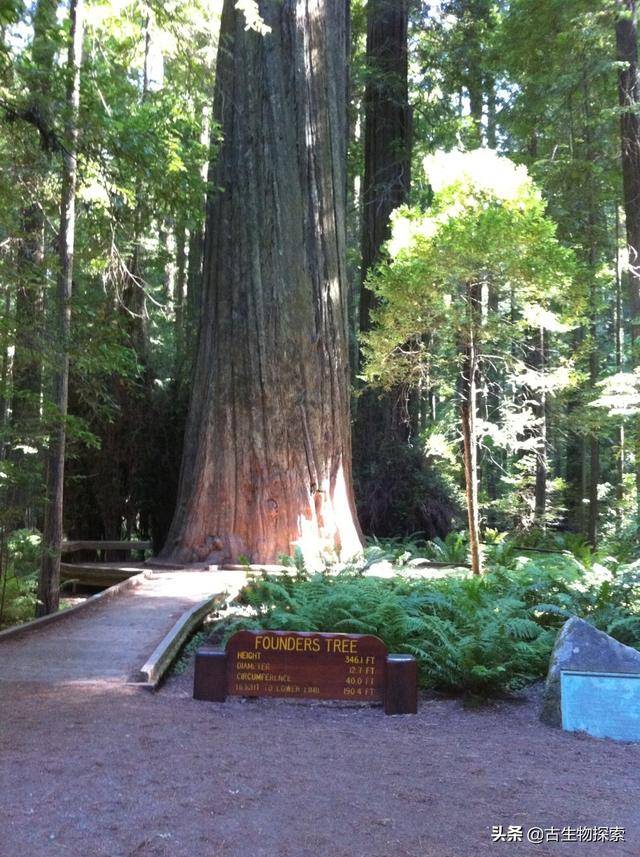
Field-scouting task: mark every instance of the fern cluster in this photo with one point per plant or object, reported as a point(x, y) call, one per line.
point(484, 636)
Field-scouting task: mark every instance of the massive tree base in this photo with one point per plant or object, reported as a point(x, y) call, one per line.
point(267, 462)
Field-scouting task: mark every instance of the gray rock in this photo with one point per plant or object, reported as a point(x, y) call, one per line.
point(580, 646)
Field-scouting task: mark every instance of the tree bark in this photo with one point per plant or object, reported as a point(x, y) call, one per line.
point(179, 298)
point(49, 579)
point(542, 457)
point(594, 446)
point(267, 461)
point(193, 307)
point(382, 424)
point(618, 327)
point(593, 216)
point(387, 138)
point(4, 376)
point(468, 384)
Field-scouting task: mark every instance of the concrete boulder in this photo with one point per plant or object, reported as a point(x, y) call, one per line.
point(580, 646)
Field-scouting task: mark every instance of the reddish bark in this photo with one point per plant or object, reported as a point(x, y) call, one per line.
point(267, 460)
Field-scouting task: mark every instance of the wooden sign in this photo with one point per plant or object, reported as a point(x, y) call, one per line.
point(308, 665)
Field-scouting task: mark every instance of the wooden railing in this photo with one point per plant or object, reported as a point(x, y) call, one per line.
point(104, 545)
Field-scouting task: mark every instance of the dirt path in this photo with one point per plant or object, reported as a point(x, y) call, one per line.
point(109, 641)
point(101, 771)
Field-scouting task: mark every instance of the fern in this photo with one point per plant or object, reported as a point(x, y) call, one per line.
point(484, 636)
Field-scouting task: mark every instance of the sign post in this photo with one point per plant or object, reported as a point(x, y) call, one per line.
point(308, 665)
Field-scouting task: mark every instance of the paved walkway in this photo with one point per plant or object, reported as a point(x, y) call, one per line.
point(109, 641)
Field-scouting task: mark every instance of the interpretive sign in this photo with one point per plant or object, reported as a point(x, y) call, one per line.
point(605, 705)
point(308, 665)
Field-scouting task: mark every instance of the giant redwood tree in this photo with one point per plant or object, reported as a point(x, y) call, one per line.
point(267, 460)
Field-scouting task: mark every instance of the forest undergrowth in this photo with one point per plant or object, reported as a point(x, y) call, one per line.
point(478, 635)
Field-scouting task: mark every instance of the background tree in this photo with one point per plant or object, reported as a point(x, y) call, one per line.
point(629, 98)
point(49, 582)
point(486, 229)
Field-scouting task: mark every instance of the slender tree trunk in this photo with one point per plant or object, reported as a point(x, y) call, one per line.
point(267, 461)
point(355, 114)
point(629, 98)
point(49, 581)
point(594, 365)
point(27, 360)
point(468, 413)
point(542, 451)
point(4, 377)
point(179, 297)
point(134, 298)
point(594, 446)
point(618, 326)
point(490, 382)
point(194, 300)
point(29, 298)
point(490, 87)
point(594, 356)
point(193, 309)
point(475, 105)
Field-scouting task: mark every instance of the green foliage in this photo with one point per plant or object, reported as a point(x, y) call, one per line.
point(453, 548)
point(19, 560)
point(535, 80)
point(487, 225)
point(482, 635)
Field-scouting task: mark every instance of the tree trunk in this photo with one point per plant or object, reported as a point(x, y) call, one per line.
point(468, 383)
point(27, 360)
point(490, 382)
point(540, 361)
point(382, 424)
point(193, 308)
point(594, 446)
point(179, 298)
point(618, 327)
point(31, 272)
point(629, 98)
point(4, 376)
point(593, 216)
point(490, 87)
point(387, 144)
point(49, 580)
point(27, 363)
point(267, 461)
